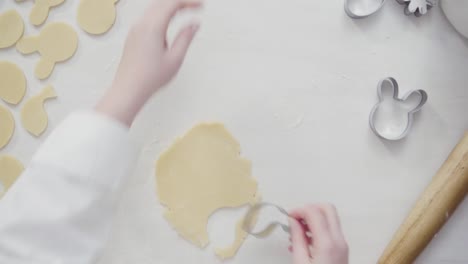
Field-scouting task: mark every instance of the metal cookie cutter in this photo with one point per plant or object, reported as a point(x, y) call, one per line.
point(410, 115)
point(251, 219)
point(417, 7)
point(351, 10)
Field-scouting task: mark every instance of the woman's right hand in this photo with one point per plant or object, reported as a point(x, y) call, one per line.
point(316, 236)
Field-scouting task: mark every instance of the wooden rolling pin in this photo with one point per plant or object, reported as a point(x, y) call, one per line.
point(446, 191)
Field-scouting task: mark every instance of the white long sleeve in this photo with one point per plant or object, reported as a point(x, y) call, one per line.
point(60, 210)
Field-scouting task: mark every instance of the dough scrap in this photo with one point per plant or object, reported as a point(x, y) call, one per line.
point(33, 115)
point(40, 10)
point(11, 28)
point(96, 16)
point(10, 170)
point(57, 42)
point(7, 126)
point(199, 174)
point(12, 83)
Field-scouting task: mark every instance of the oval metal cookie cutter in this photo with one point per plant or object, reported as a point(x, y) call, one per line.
point(394, 85)
point(251, 219)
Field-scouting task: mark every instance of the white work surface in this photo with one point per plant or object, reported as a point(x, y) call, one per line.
point(294, 82)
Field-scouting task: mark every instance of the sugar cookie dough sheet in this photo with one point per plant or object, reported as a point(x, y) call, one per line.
point(197, 175)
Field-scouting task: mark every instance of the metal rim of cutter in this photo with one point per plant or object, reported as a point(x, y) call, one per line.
point(394, 85)
point(250, 221)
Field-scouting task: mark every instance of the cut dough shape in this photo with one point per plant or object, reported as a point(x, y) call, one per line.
point(96, 16)
point(33, 115)
point(11, 28)
point(199, 174)
point(40, 10)
point(57, 42)
point(12, 83)
point(7, 126)
point(10, 170)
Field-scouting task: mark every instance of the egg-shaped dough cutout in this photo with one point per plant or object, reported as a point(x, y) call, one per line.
point(11, 28)
point(10, 170)
point(12, 83)
point(96, 16)
point(7, 126)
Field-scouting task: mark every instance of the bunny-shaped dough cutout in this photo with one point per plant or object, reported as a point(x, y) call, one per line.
point(57, 42)
point(12, 83)
point(10, 170)
point(40, 11)
point(96, 16)
point(33, 115)
point(11, 28)
point(7, 126)
point(392, 117)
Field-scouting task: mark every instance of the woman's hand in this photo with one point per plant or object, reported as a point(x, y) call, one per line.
point(148, 63)
point(316, 236)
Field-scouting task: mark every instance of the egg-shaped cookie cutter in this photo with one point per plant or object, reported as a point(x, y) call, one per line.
point(353, 14)
point(250, 220)
point(410, 117)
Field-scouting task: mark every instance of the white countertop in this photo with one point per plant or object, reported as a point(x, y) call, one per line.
point(294, 82)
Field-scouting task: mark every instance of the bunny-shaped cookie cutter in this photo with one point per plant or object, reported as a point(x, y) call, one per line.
point(394, 85)
point(251, 218)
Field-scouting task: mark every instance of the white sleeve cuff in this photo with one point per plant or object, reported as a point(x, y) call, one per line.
point(92, 146)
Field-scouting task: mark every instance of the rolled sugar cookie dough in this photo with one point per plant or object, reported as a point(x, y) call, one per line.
point(12, 83)
point(41, 9)
point(7, 126)
point(200, 173)
point(33, 115)
point(96, 16)
point(57, 42)
point(10, 170)
point(11, 28)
